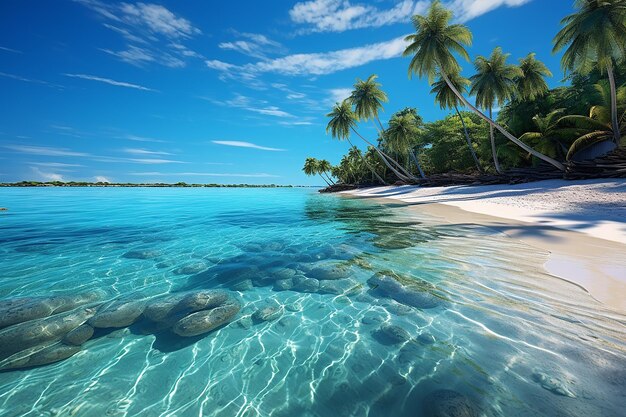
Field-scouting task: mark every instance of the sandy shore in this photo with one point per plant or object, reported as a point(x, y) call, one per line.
point(582, 224)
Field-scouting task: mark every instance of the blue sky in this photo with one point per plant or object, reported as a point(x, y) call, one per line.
point(215, 91)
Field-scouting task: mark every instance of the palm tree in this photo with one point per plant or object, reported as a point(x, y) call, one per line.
point(550, 136)
point(342, 121)
point(494, 83)
point(401, 134)
point(432, 47)
point(325, 167)
point(367, 99)
point(448, 100)
point(598, 126)
point(531, 83)
point(311, 167)
point(595, 37)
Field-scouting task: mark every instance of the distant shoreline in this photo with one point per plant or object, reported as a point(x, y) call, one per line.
point(145, 185)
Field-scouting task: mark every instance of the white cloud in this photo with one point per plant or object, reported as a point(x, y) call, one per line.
point(135, 151)
point(47, 176)
point(219, 65)
point(142, 139)
point(255, 45)
point(43, 150)
point(109, 81)
point(100, 178)
point(158, 30)
point(270, 111)
point(239, 144)
point(338, 95)
point(318, 63)
point(341, 15)
point(56, 165)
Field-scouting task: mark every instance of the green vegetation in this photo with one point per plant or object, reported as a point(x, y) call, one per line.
point(535, 125)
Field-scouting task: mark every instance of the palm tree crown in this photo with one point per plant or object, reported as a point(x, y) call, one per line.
point(444, 95)
point(310, 166)
point(367, 98)
point(342, 120)
point(594, 35)
point(434, 42)
point(494, 81)
point(531, 83)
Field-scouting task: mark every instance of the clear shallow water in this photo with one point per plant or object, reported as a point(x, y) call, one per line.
point(501, 329)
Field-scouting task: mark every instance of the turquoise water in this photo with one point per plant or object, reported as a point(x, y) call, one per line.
point(489, 323)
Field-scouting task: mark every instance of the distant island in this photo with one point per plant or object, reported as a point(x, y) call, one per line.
point(128, 184)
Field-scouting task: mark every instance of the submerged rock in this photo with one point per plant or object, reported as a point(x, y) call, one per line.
point(283, 284)
point(329, 271)
point(392, 334)
point(141, 254)
point(118, 313)
point(19, 310)
point(426, 339)
point(448, 403)
point(39, 356)
point(191, 269)
point(305, 284)
point(173, 307)
point(552, 384)
point(267, 313)
point(409, 291)
point(206, 320)
point(41, 331)
point(244, 285)
point(79, 335)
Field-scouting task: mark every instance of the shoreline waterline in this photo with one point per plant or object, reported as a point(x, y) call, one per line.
point(577, 256)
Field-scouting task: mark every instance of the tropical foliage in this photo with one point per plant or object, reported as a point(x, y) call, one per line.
point(535, 124)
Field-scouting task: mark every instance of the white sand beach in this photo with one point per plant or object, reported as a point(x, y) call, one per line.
point(581, 223)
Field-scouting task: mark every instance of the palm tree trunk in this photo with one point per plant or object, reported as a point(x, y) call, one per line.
point(393, 161)
point(382, 156)
point(417, 164)
point(328, 177)
point(500, 128)
point(327, 183)
point(469, 141)
point(494, 151)
point(614, 119)
point(382, 181)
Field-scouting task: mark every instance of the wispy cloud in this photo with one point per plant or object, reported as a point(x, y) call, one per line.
point(338, 95)
point(342, 15)
point(247, 103)
point(100, 178)
point(152, 161)
point(253, 44)
point(15, 51)
point(136, 138)
point(56, 165)
point(136, 151)
point(319, 63)
point(270, 111)
point(239, 144)
point(109, 81)
point(28, 80)
point(43, 150)
point(154, 34)
point(203, 174)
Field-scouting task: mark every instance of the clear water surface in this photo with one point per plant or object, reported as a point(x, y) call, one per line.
point(512, 340)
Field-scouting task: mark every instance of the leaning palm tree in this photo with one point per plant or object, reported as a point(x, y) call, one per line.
point(401, 135)
point(493, 83)
point(342, 121)
point(311, 167)
point(448, 100)
point(433, 45)
point(367, 99)
point(324, 167)
point(531, 82)
point(595, 37)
